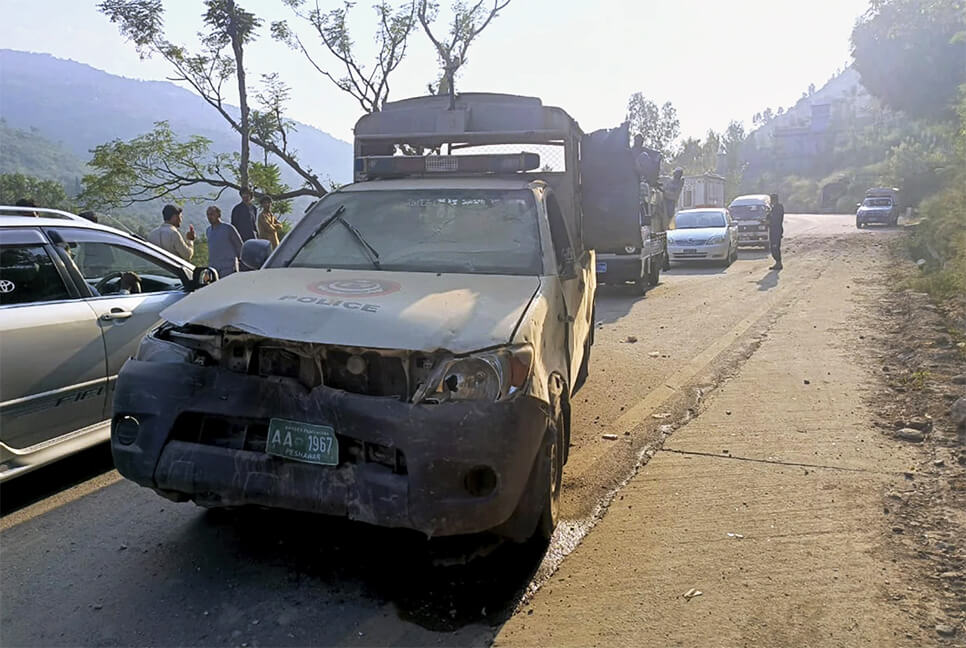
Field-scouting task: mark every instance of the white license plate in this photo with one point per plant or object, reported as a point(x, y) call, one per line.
point(690, 251)
point(315, 444)
point(601, 266)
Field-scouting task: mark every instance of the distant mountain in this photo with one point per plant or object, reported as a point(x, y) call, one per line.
point(27, 152)
point(79, 107)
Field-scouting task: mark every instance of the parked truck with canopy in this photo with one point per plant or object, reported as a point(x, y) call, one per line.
point(408, 355)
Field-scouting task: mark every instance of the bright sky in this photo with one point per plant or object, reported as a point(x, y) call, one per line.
point(715, 61)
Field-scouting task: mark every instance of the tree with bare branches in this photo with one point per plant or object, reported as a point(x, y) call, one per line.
point(467, 23)
point(228, 28)
point(369, 85)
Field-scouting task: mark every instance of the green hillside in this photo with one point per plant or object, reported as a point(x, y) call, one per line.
point(29, 153)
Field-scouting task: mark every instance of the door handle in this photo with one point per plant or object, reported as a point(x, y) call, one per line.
point(116, 314)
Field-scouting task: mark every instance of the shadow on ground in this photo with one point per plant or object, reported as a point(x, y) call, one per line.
point(696, 268)
point(614, 301)
point(442, 585)
point(50, 480)
point(768, 281)
point(753, 254)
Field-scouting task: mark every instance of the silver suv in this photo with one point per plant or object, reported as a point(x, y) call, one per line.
point(75, 299)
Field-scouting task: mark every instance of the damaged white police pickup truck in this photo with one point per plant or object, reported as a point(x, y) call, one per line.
point(406, 357)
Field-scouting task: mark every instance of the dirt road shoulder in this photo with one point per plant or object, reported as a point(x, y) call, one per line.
point(769, 503)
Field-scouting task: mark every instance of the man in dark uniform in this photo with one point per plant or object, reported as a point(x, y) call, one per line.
point(243, 216)
point(776, 229)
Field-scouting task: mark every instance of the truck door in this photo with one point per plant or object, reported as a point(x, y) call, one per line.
point(610, 190)
point(577, 294)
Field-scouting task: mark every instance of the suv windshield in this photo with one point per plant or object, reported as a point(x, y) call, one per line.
point(747, 212)
point(878, 202)
point(699, 219)
point(439, 230)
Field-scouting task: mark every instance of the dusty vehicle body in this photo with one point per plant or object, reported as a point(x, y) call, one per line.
point(751, 214)
point(637, 259)
point(425, 387)
point(881, 205)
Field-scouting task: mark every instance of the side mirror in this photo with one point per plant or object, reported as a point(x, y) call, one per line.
point(254, 253)
point(202, 276)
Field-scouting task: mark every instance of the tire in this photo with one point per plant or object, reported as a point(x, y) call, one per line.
point(654, 271)
point(551, 466)
point(641, 284)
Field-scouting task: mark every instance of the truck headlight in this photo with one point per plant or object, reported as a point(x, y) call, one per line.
point(489, 376)
point(153, 349)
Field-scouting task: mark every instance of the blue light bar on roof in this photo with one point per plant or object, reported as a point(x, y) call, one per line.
point(383, 166)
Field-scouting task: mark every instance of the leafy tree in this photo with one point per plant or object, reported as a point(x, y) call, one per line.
point(690, 156)
point(467, 23)
point(734, 141)
point(911, 53)
point(155, 165)
point(228, 29)
point(160, 165)
point(658, 126)
point(45, 193)
point(370, 87)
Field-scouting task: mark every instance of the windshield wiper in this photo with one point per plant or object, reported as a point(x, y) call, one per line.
point(327, 222)
point(337, 216)
point(370, 251)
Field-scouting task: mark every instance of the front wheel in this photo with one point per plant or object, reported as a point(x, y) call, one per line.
point(551, 471)
point(654, 270)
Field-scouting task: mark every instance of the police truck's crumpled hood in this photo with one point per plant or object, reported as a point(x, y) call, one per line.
point(413, 311)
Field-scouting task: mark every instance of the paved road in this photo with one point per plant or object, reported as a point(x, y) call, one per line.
point(107, 563)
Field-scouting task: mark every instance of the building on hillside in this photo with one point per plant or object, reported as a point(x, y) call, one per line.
point(705, 190)
point(798, 146)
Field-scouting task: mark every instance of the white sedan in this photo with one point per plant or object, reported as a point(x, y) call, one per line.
point(703, 235)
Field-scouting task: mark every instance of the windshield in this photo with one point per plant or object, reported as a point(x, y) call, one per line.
point(747, 212)
point(878, 202)
point(435, 230)
point(699, 219)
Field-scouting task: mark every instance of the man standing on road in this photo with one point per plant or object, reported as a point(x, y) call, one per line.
point(776, 229)
point(224, 244)
point(244, 216)
point(167, 237)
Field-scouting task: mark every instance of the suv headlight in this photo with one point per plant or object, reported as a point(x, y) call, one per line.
point(488, 376)
point(714, 240)
point(154, 349)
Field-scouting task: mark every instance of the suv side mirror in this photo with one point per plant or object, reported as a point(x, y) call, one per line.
point(202, 276)
point(254, 253)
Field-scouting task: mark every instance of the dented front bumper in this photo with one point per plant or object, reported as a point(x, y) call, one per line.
point(443, 469)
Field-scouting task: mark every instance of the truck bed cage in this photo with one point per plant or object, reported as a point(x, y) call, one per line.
point(478, 119)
